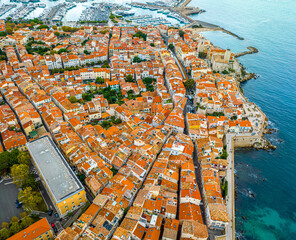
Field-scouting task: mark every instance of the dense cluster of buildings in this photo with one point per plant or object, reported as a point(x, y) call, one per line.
point(146, 178)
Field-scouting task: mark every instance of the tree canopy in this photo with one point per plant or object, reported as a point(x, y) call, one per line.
point(24, 158)
point(171, 47)
point(19, 172)
point(129, 78)
point(30, 198)
point(43, 26)
point(140, 34)
point(189, 84)
point(8, 159)
point(73, 99)
point(100, 80)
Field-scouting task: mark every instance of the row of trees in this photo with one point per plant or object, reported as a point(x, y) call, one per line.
point(137, 59)
point(29, 195)
point(16, 225)
point(108, 123)
point(3, 55)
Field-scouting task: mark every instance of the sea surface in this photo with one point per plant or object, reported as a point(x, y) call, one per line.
point(268, 25)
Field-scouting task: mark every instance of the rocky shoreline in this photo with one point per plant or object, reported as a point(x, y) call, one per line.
point(265, 144)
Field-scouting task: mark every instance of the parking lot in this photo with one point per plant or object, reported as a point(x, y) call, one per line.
point(8, 196)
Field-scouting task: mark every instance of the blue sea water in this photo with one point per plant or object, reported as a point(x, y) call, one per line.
point(271, 175)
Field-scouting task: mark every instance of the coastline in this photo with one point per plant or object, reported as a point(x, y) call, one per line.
point(256, 141)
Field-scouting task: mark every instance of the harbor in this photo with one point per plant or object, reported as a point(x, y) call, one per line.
point(145, 20)
point(6, 8)
point(23, 11)
point(97, 12)
point(56, 13)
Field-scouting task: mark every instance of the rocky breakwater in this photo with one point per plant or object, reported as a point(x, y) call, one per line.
point(265, 144)
point(251, 51)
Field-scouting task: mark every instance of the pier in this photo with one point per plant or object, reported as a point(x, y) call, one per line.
point(206, 27)
point(184, 12)
point(251, 51)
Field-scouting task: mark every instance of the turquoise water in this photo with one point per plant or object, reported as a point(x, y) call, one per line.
point(269, 26)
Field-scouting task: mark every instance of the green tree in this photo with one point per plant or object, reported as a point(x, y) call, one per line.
point(23, 214)
point(27, 221)
point(30, 181)
point(106, 124)
point(137, 59)
point(5, 225)
point(24, 158)
point(86, 97)
point(19, 173)
point(43, 26)
point(129, 78)
point(100, 80)
point(104, 31)
point(140, 34)
point(8, 159)
point(31, 199)
point(4, 234)
point(189, 84)
point(14, 219)
point(171, 47)
point(62, 50)
point(225, 72)
point(54, 27)
point(182, 33)
point(57, 34)
point(9, 30)
point(15, 228)
point(202, 55)
point(73, 99)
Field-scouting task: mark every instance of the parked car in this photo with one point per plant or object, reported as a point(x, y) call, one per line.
point(52, 224)
point(55, 229)
point(19, 205)
point(16, 201)
point(56, 215)
point(50, 212)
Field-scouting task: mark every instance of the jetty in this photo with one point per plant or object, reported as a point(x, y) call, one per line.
point(251, 51)
point(206, 27)
point(184, 11)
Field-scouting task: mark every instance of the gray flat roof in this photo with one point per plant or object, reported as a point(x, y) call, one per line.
point(54, 168)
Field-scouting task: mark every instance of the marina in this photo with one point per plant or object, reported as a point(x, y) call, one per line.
point(146, 20)
point(82, 10)
point(95, 13)
point(23, 11)
point(6, 8)
point(56, 13)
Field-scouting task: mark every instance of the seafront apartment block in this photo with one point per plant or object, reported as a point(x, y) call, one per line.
point(62, 185)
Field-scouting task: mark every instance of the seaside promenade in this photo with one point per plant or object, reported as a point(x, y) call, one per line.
point(230, 199)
